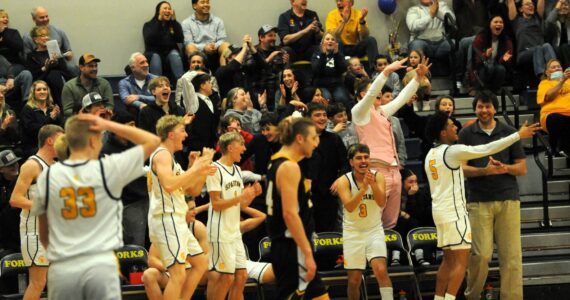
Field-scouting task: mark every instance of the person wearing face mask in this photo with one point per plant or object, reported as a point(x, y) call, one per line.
point(416, 204)
point(554, 98)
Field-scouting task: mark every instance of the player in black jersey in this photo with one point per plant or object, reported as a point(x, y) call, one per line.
point(289, 209)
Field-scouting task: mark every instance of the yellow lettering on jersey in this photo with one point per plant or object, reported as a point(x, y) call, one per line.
point(15, 263)
point(266, 245)
point(69, 197)
point(149, 181)
point(425, 236)
point(362, 210)
point(433, 169)
point(391, 237)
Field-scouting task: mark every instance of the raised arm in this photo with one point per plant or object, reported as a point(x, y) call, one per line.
point(410, 90)
point(255, 219)
point(512, 9)
point(185, 92)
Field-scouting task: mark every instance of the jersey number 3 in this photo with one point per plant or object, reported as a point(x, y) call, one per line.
point(70, 196)
point(433, 169)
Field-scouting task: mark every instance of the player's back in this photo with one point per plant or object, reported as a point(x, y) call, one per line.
point(446, 186)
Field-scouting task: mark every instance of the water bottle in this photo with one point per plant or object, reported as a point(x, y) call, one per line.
point(22, 282)
point(403, 295)
point(489, 292)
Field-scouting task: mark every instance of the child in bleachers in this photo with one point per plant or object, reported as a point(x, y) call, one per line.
point(424, 90)
point(339, 124)
point(393, 81)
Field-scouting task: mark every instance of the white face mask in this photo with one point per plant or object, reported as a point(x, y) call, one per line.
point(556, 75)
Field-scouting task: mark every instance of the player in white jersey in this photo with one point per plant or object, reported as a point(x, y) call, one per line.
point(446, 181)
point(363, 195)
point(79, 208)
point(23, 196)
point(226, 253)
point(167, 185)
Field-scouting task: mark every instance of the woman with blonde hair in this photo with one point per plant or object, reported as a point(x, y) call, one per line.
point(38, 111)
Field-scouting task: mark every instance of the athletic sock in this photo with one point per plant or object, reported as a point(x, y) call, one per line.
point(449, 297)
point(387, 293)
point(436, 297)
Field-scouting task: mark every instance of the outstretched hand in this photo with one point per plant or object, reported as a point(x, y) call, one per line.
point(422, 69)
point(527, 131)
point(395, 66)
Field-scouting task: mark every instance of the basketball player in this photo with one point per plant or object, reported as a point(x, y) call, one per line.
point(23, 196)
point(289, 209)
point(363, 194)
point(167, 184)
point(446, 181)
point(80, 209)
point(226, 253)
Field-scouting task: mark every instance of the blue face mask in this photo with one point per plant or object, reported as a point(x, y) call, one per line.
point(556, 75)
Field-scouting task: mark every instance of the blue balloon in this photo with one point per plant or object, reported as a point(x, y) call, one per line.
point(387, 6)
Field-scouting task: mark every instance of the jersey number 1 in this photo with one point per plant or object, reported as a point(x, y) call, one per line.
point(70, 196)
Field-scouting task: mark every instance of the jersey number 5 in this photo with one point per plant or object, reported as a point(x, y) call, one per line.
point(70, 197)
point(433, 169)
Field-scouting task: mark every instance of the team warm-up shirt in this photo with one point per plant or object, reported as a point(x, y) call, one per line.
point(367, 214)
point(161, 201)
point(29, 224)
point(82, 204)
point(223, 226)
point(445, 175)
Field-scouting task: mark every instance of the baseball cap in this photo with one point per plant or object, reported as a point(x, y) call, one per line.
point(87, 58)
point(8, 158)
point(265, 29)
point(91, 99)
point(232, 49)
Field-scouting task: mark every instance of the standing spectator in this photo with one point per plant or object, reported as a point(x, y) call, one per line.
point(340, 124)
point(162, 34)
point(300, 31)
point(555, 108)
point(197, 62)
point(527, 25)
point(375, 130)
point(9, 130)
point(86, 82)
point(556, 30)
point(39, 111)
point(11, 43)
point(133, 89)
point(263, 144)
point(161, 106)
point(275, 61)
point(329, 65)
point(328, 162)
point(9, 217)
point(425, 22)
point(492, 57)
point(17, 86)
point(493, 202)
point(350, 27)
point(40, 17)
point(205, 32)
point(43, 67)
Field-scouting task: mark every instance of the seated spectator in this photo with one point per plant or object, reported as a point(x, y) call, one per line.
point(75, 89)
point(205, 32)
point(556, 29)
point(40, 17)
point(162, 34)
point(339, 124)
point(417, 124)
point(554, 100)
point(232, 123)
point(328, 65)
point(240, 105)
point(39, 111)
point(492, 57)
point(527, 26)
point(314, 94)
point(289, 89)
point(350, 27)
point(426, 24)
point(9, 130)
point(354, 73)
point(393, 80)
point(424, 90)
point(197, 63)
point(43, 67)
point(17, 86)
point(134, 195)
point(94, 104)
point(385, 98)
point(11, 44)
point(242, 63)
point(133, 89)
point(149, 115)
point(300, 31)
point(416, 204)
point(275, 61)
